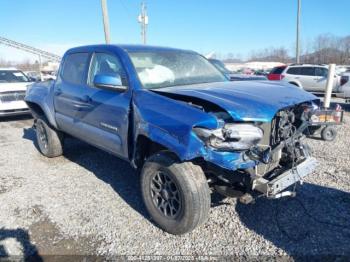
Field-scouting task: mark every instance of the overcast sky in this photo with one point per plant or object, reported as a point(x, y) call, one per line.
point(224, 26)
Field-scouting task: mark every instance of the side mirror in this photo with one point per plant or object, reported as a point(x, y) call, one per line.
point(113, 83)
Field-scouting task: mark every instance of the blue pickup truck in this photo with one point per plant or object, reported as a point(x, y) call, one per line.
point(181, 123)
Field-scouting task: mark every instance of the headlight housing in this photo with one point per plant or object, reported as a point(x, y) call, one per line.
point(232, 137)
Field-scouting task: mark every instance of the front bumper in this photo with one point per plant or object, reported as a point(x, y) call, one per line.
point(14, 112)
point(271, 188)
point(13, 108)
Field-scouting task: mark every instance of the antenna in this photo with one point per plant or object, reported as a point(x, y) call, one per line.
point(143, 20)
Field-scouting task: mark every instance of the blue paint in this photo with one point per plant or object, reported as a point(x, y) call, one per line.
point(246, 100)
point(95, 115)
point(105, 80)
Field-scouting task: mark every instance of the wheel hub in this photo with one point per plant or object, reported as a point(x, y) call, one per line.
point(165, 195)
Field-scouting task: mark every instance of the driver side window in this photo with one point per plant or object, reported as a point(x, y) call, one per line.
point(106, 64)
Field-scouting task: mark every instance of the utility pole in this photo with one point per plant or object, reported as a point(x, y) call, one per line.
point(143, 20)
point(297, 51)
point(40, 68)
point(105, 21)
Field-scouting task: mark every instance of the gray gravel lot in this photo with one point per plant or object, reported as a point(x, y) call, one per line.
point(88, 203)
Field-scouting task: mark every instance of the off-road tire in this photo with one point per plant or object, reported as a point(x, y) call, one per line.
point(191, 185)
point(53, 146)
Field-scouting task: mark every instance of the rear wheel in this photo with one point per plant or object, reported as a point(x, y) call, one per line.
point(176, 195)
point(50, 141)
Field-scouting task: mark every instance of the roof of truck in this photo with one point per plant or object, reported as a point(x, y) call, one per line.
point(137, 48)
point(127, 48)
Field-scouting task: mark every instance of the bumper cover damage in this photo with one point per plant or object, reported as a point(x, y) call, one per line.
point(273, 188)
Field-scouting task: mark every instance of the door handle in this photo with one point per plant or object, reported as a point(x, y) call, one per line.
point(81, 106)
point(83, 103)
point(297, 77)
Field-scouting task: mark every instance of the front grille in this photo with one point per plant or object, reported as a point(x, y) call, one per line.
point(12, 96)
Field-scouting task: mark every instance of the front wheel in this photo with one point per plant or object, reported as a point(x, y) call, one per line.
point(50, 140)
point(176, 195)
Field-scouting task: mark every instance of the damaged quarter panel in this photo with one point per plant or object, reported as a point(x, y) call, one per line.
point(169, 122)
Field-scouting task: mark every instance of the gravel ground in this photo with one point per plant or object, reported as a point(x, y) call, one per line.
point(88, 203)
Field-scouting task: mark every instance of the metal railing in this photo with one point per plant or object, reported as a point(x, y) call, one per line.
point(30, 49)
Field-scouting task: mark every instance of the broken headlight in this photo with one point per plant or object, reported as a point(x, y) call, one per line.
point(231, 136)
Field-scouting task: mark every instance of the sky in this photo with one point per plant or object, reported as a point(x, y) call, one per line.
point(222, 26)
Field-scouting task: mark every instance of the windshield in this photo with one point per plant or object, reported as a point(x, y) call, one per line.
point(12, 76)
point(220, 65)
point(172, 68)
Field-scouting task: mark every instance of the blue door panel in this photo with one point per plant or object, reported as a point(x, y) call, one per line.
point(109, 113)
point(96, 136)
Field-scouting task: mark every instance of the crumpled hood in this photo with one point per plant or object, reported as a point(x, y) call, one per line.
point(246, 100)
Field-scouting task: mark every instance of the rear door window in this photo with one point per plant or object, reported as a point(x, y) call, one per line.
point(74, 68)
point(294, 71)
point(307, 71)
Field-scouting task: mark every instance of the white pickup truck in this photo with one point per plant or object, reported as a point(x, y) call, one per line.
point(13, 86)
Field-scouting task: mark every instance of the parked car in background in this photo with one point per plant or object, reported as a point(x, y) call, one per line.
point(233, 76)
point(243, 77)
point(276, 73)
point(47, 76)
point(340, 69)
point(33, 75)
point(262, 72)
point(310, 77)
point(13, 86)
point(174, 116)
point(344, 89)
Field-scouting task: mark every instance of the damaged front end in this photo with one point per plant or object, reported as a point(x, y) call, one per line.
point(244, 143)
point(272, 156)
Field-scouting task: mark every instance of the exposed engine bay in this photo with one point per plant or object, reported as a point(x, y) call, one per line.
point(283, 157)
point(285, 139)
